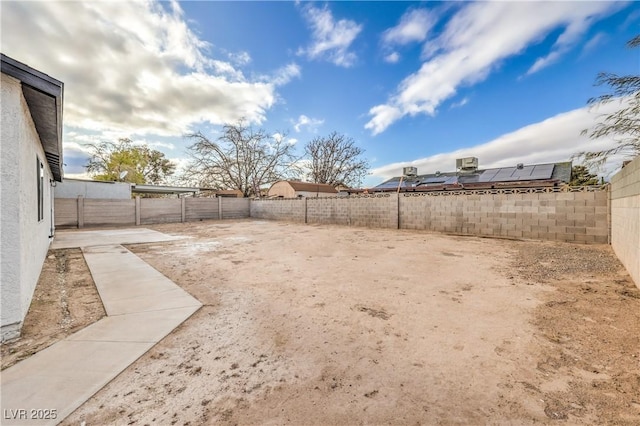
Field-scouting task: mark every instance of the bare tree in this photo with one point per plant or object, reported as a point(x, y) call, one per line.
point(335, 160)
point(241, 158)
point(624, 124)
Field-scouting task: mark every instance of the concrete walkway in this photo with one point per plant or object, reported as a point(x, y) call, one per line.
point(142, 306)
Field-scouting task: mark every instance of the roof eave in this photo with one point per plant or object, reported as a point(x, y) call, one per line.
point(44, 97)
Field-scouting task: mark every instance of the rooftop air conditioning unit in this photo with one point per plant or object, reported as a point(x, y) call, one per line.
point(410, 171)
point(467, 163)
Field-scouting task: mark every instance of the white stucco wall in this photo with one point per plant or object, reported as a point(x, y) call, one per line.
point(24, 240)
point(70, 188)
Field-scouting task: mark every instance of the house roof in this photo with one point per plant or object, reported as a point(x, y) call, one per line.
point(521, 175)
point(44, 97)
point(162, 189)
point(311, 187)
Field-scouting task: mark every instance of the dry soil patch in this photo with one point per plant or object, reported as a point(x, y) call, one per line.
point(324, 325)
point(310, 324)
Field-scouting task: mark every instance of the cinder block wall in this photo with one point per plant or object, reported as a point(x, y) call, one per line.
point(201, 208)
point(159, 210)
point(291, 209)
point(100, 212)
point(564, 216)
point(374, 211)
point(66, 212)
point(235, 208)
point(81, 212)
point(625, 217)
point(557, 216)
point(328, 211)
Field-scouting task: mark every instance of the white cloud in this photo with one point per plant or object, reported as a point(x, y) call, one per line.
point(565, 41)
point(553, 140)
point(474, 41)
point(462, 102)
point(593, 42)
point(413, 27)
point(240, 58)
point(304, 121)
point(285, 74)
point(331, 39)
point(392, 57)
point(133, 67)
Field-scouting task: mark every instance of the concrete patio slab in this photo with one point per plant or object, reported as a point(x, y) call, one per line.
point(148, 327)
point(142, 305)
point(170, 300)
point(77, 238)
point(61, 378)
point(115, 268)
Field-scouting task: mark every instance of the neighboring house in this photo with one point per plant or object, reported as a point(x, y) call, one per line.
point(163, 190)
point(74, 188)
point(30, 163)
point(229, 193)
point(468, 176)
point(295, 189)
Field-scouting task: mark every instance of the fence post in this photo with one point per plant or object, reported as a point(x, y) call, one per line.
point(183, 209)
point(609, 213)
point(305, 210)
point(219, 208)
point(398, 210)
point(80, 211)
point(137, 210)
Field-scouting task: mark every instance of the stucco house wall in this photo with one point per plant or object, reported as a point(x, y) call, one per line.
point(282, 189)
point(74, 188)
point(24, 236)
point(295, 189)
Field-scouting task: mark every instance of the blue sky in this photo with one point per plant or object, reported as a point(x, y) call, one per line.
point(413, 83)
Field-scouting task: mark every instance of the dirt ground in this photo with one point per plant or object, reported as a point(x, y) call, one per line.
point(65, 300)
point(306, 324)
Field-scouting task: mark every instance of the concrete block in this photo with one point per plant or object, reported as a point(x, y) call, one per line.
point(583, 238)
point(576, 230)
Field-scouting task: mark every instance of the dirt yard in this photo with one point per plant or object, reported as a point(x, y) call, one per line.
point(306, 324)
point(65, 300)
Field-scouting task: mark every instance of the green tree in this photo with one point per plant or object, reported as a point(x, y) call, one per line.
point(581, 176)
point(127, 162)
point(335, 160)
point(241, 158)
point(623, 124)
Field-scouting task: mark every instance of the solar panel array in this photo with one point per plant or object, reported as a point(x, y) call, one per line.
point(507, 174)
point(504, 174)
point(439, 180)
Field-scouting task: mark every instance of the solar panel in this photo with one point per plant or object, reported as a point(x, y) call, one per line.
point(438, 179)
point(505, 174)
point(392, 184)
point(543, 171)
point(488, 175)
point(523, 173)
point(469, 179)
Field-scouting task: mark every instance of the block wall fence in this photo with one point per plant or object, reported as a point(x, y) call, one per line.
point(598, 214)
point(83, 212)
point(625, 217)
point(577, 215)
